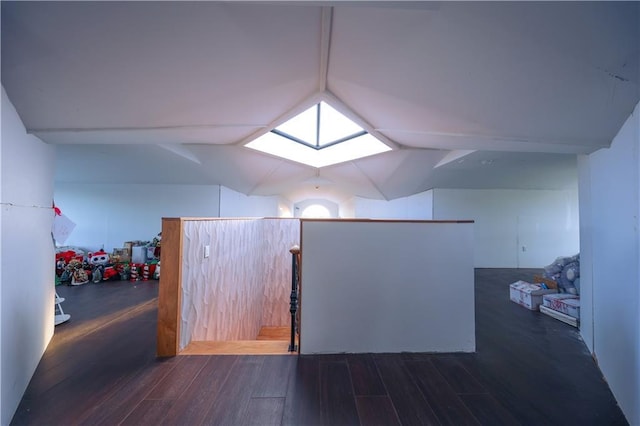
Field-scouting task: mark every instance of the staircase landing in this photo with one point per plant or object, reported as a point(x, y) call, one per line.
point(270, 341)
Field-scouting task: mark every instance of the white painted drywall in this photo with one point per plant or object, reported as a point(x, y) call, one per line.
point(107, 215)
point(285, 207)
point(2, 416)
point(611, 178)
point(236, 204)
point(586, 251)
point(300, 206)
point(544, 222)
point(347, 208)
point(370, 286)
point(27, 262)
point(418, 207)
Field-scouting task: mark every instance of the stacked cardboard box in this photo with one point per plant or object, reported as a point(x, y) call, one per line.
point(528, 295)
point(564, 307)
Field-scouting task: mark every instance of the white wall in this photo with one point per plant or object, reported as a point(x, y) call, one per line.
point(610, 266)
point(418, 206)
point(236, 204)
point(544, 222)
point(379, 286)
point(110, 214)
point(300, 206)
point(347, 208)
point(27, 271)
point(285, 207)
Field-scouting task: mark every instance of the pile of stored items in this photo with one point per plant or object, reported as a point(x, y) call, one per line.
point(138, 260)
point(555, 293)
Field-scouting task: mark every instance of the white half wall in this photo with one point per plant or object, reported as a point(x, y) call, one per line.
point(514, 228)
point(379, 286)
point(414, 207)
point(236, 204)
point(27, 286)
point(610, 265)
point(107, 215)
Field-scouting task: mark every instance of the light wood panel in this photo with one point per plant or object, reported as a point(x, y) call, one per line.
point(169, 292)
point(275, 333)
point(238, 347)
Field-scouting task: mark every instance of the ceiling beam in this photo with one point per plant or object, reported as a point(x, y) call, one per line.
point(141, 128)
point(325, 45)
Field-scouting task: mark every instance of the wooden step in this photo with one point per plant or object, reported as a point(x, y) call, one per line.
point(238, 347)
point(275, 333)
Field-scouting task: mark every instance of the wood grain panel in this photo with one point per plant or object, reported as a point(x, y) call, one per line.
point(169, 292)
point(410, 403)
point(376, 411)
point(448, 407)
point(364, 375)
point(264, 412)
point(230, 407)
point(302, 406)
point(194, 403)
point(237, 347)
point(337, 402)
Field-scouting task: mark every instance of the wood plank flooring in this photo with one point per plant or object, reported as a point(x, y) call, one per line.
point(101, 369)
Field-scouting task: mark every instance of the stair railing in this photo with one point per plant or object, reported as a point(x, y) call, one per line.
point(295, 288)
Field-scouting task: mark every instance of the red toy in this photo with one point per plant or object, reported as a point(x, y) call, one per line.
point(145, 272)
point(134, 272)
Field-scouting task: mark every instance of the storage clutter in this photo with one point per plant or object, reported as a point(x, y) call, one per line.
point(555, 293)
point(528, 295)
point(137, 260)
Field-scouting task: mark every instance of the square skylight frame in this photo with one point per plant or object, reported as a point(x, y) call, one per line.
point(303, 139)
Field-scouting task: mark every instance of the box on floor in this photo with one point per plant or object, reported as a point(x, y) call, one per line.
point(568, 304)
point(528, 295)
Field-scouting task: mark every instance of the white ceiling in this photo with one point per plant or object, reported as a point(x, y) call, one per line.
point(168, 92)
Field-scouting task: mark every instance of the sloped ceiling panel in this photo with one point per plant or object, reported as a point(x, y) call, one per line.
point(508, 170)
point(491, 69)
point(160, 135)
point(407, 173)
point(135, 64)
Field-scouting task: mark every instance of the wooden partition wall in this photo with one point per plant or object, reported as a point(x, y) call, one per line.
point(170, 288)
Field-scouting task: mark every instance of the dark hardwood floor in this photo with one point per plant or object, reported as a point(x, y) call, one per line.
point(100, 369)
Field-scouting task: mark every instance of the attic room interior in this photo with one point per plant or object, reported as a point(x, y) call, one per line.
point(519, 120)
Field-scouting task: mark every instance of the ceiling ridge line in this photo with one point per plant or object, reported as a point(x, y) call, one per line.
point(517, 139)
point(331, 98)
point(306, 102)
point(371, 181)
point(264, 178)
point(139, 128)
point(326, 29)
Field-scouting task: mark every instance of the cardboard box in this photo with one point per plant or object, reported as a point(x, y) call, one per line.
point(121, 255)
point(138, 254)
point(546, 281)
point(528, 295)
point(560, 316)
point(568, 304)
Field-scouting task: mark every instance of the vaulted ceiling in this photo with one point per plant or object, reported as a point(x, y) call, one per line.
point(468, 94)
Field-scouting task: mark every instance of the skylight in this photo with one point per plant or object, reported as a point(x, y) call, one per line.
point(319, 137)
